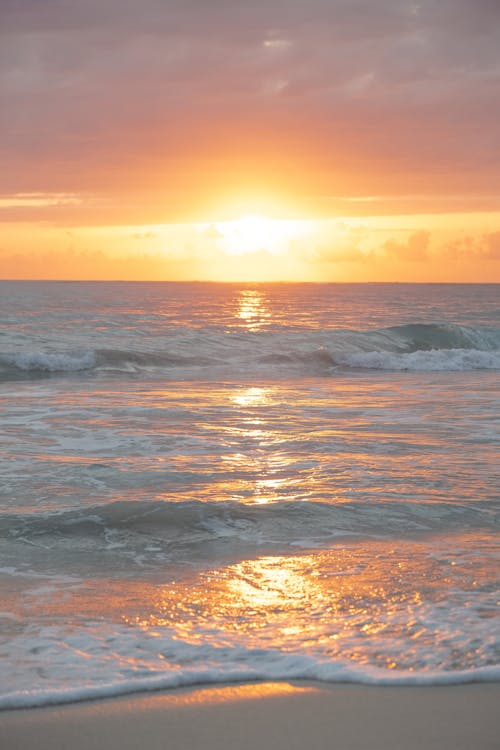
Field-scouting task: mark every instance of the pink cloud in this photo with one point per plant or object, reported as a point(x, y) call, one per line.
point(110, 98)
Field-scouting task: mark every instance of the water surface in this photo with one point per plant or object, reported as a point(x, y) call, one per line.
point(207, 482)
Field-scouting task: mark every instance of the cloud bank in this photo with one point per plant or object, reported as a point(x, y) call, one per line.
point(164, 109)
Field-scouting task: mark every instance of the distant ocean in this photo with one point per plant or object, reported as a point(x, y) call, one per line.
point(214, 482)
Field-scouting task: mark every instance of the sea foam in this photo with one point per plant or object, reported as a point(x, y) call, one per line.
point(126, 668)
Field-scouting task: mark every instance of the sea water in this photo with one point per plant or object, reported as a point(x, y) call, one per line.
point(204, 482)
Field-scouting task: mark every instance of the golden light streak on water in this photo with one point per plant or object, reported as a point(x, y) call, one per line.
point(252, 310)
point(378, 603)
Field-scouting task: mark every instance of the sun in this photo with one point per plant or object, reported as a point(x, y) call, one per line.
point(253, 233)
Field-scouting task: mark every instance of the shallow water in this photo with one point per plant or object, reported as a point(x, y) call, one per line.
point(210, 482)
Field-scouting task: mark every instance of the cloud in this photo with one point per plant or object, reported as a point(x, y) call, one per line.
point(484, 247)
point(335, 250)
point(491, 249)
point(358, 248)
point(184, 98)
point(414, 250)
point(144, 236)
point(32, 200)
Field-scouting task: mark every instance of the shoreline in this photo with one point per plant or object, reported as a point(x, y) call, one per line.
point(291, 715)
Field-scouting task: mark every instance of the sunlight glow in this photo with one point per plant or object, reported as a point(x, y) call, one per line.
point(254, 233)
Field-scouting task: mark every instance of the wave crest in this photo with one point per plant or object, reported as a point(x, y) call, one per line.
point(275, 353)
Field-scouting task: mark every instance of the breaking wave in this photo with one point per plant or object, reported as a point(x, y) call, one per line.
point(229, 665)
point(280, 353)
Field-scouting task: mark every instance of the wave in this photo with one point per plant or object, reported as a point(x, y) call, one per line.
point(198, 530)
point(211, 665)
point(279, 353)
point(48, 362)
point(451, 360)
point(417, 336)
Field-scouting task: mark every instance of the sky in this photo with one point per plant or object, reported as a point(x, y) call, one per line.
point(318, 140)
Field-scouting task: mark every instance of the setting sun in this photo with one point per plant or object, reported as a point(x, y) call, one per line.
point(253, 233)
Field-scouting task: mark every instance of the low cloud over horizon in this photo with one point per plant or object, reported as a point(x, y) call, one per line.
point(327, 251)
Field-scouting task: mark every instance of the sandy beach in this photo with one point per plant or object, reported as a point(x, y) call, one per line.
point(268, 715)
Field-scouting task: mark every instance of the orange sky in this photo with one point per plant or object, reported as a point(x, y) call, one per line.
point(132, 132)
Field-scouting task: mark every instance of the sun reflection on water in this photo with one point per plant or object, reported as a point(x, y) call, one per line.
point(322, 598)
point(252, 397)
point(260, 435)
point(252, 310)
point(377, 603)
point(351, 603)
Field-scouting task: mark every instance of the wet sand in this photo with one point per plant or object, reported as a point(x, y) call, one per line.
point(280, 716)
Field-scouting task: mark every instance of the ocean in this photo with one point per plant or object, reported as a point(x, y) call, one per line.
point(205, 483)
